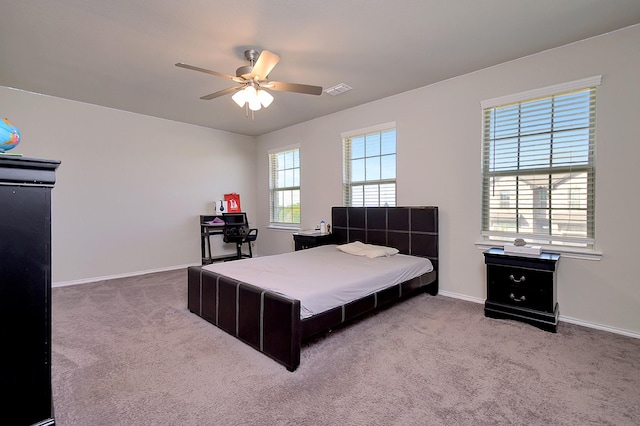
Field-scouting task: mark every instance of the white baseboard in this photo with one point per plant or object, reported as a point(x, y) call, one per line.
point(570, 320)
point(615, 330)
point(125, 275)
point(460, 296)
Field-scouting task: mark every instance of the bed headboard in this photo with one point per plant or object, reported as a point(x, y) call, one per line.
point(412, 230)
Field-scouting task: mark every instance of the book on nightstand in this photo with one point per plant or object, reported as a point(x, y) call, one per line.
point(526, 250)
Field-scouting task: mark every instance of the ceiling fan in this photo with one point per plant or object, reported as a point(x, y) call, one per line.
point(253, 80)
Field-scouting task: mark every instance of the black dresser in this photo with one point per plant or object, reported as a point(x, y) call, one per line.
point(25, 290)
point(522, 288)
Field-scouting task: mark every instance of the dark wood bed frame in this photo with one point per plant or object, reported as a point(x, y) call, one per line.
point(270, 322)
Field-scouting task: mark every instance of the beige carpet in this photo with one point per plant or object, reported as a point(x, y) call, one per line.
point(128, 352)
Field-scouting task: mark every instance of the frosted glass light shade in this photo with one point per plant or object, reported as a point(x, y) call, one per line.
point(240, 98)
point(265, 98)
point(250, 92)
point(254, 104)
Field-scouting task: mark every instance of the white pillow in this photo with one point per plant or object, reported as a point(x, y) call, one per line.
point(369, 250)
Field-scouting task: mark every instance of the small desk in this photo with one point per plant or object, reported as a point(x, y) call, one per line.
point(206, 231)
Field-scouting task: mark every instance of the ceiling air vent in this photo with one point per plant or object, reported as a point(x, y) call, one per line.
point(337, 89)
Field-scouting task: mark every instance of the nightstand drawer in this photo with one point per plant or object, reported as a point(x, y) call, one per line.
point(520, 287)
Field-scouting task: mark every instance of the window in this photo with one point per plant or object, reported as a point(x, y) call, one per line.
point(284, 186)
point(369, 178)
point(538, 166)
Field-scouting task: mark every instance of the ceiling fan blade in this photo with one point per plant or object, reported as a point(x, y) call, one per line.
point(206, 71)
point(221, 93)
point(265, 63)
point(292, 87)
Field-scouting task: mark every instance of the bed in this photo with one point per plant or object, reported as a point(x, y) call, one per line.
point(277, 324)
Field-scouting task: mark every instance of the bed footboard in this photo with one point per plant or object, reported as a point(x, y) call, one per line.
point(268, 321)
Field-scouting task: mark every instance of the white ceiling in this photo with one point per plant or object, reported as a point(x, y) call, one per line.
point(121, 53)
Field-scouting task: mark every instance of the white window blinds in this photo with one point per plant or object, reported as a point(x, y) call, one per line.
point(369, 172)
point(284, 186)
point(539, 169)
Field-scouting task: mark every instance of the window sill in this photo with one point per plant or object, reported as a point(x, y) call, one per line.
point(568, 252)
point(284, 228)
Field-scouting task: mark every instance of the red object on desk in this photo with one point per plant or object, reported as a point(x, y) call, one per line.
point(233, 202)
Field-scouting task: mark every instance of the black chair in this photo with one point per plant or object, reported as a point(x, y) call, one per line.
point(236, 230)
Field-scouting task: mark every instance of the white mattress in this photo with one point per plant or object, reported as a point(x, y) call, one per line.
point(323, 277)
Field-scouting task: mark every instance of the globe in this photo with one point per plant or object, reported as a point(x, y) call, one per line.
point(9, 135)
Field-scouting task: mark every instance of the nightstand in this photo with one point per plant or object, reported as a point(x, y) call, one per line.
point(305, 241)
point(522, 288)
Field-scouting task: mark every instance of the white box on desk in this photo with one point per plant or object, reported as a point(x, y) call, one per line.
point(526, 250)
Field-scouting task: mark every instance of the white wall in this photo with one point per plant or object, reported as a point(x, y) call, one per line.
point(130, 188)
point(439, 152)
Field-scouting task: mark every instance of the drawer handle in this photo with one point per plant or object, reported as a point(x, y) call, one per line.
point(512, 278)
point(513, 297)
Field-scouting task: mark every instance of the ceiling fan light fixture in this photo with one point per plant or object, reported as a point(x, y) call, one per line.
point(255, 99)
